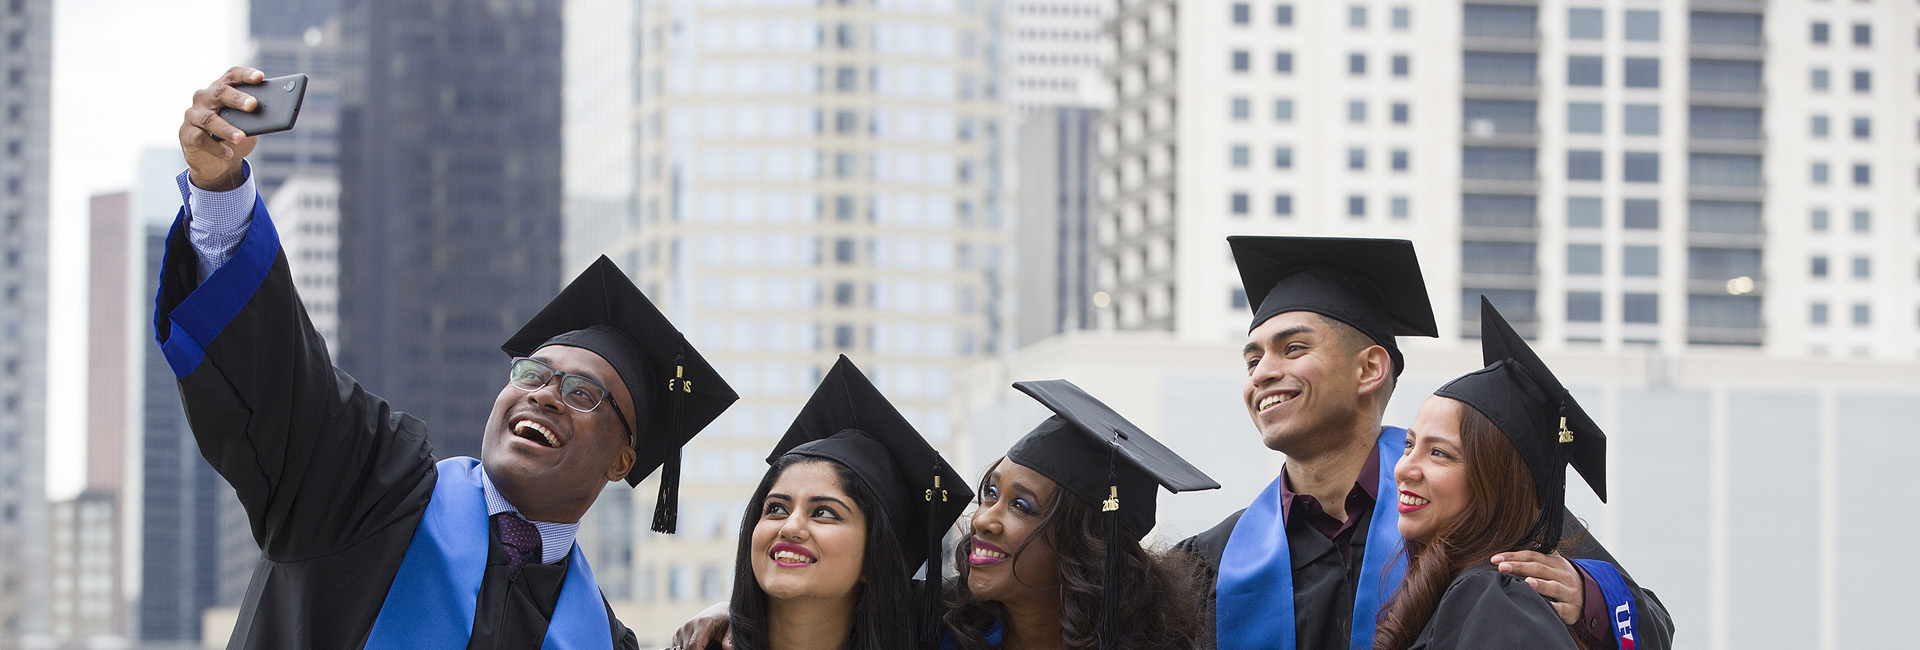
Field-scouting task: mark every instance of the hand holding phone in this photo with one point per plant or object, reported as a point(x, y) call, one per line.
point(277, 108)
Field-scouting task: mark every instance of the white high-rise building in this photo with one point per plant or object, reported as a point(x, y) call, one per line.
point(788, 180)
point(1057, 53)
point(1619, 174)
point(307, 210)
point(26, 38)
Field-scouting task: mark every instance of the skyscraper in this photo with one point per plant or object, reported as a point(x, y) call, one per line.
point(26, 27)
point(1058, 162)
point(1057, 53)
point(449, 199)
point(788, 181)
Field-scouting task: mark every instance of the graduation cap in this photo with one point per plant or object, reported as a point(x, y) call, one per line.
point(1104, 460)
point(1520, 395)
point(847, 420)
point(675, 392)
point(1373, 285)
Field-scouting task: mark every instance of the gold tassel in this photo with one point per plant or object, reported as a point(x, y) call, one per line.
point(1113, 499)
point(1566, 435)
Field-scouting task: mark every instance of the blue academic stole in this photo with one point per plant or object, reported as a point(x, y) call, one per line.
point(1619, 600)
point(1253, 603)
point(431, 602)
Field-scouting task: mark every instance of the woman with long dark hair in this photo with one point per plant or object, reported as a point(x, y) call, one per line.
point(1053, 559)
point(846, 514)
point(1484, 473)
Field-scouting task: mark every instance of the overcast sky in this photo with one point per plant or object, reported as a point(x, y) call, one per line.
point(147, 56)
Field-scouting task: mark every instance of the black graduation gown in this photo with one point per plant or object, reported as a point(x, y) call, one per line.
point(1484, 608)
point(333, 481)
point(1324, 584)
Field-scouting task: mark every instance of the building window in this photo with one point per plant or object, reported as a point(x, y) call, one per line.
point(1283, 62)
point(1583, 212)
point(1283, 15)
point(1862, 128)
point(1817, 220)
point(1402, 65)
point(1641, 119)
point(1862, 268)
point(1641, 167)
point(1242, 156)
point(1240, 108)
point(843, 337)
point(1399, 160)
point(1242, 14)
point(1819, 81)
point(1238, 203)
point(1819, 126)
point(1584, 259)
point(1640, 261)
point(1283, 205)
point(1862, 35)
point(1241, 60)
point(1583, 306)
point(1643, 25)
point(1819, 173)
point(1356, 159)
point(1356, 206)
point(1862, 314)
point(1400, 208)
point(1237, 298)
point(1357, 16)
point(1585, 24)
point(1642, 72)
point(1640, 308)
point(1862, 221)
point(1402, 18)
point(1402, 113)
point(843, 294)
point(1283, 157)
point(1818, 266)
point(1357, 64)
point(1817, 313)
point(1357, 112)
point(1862, 81)
point(1820, 32)
point(1585, 117)
point(1862, 174)
point(1584, 71)
point(1640, 214)
point(1583, 166)
point(1283, 110)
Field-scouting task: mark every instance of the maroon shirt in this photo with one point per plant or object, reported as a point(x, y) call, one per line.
point(1594, 626)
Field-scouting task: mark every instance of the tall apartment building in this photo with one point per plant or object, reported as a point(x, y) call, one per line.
point(307, 211)
point(1056, 53)
point(85, 570)
point(789, 181)
point(1628, 173)
point(26, 33)
point(449, 199)
point(1055, 247)
point(292, 36)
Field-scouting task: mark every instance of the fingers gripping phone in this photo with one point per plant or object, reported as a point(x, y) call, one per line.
point(279, 105)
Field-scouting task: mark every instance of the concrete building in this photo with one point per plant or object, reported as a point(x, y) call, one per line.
point(282, 47)
point(788, 181)
point(307, 211)
point(1057, 202)
point(1056, 53)
point(1616, 174)
point(27, 30)
point(449, 199)
point(86, 606)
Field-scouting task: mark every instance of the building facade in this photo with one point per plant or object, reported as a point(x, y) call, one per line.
point(27, 29)
point(789, 181)
point(1058, 159)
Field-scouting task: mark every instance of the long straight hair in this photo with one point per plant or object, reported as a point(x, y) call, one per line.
point(884, 610)
point(1500, 509)
point(1158, 607)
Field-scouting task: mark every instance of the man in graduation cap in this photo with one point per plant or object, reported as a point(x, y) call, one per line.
point(1305, 566)
point(366, 541)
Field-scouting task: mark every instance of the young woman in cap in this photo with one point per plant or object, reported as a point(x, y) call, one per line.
point(1052, 558)
point(1484, 473)
point(833, 534)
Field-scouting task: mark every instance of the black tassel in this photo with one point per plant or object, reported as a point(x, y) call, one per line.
point(1112, 590)
point(1553, 493)
point(930, 587)
point(666, 509)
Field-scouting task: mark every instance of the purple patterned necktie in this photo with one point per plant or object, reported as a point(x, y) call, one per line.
point(521, 539)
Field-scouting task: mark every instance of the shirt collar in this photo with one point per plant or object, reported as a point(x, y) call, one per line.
point(1368, 480)
point(556, 540)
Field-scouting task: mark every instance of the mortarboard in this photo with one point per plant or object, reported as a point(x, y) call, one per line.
point(675, 392)
point(1373, 285)
point(847, 420)
point(1104, 460)
point(1540, 418)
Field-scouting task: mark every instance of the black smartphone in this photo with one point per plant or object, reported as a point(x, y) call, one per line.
point(279, 105)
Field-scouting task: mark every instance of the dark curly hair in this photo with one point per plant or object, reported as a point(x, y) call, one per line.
point(886, 606)
point(1157, 610)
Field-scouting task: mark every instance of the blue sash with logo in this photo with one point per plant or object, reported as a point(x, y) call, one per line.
point(1619, 599)
point(431, 602)
point(1253, 603)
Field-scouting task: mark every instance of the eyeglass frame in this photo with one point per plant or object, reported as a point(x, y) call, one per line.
point(632, 434)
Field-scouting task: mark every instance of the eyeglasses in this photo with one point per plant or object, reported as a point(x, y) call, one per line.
point(578, 392)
